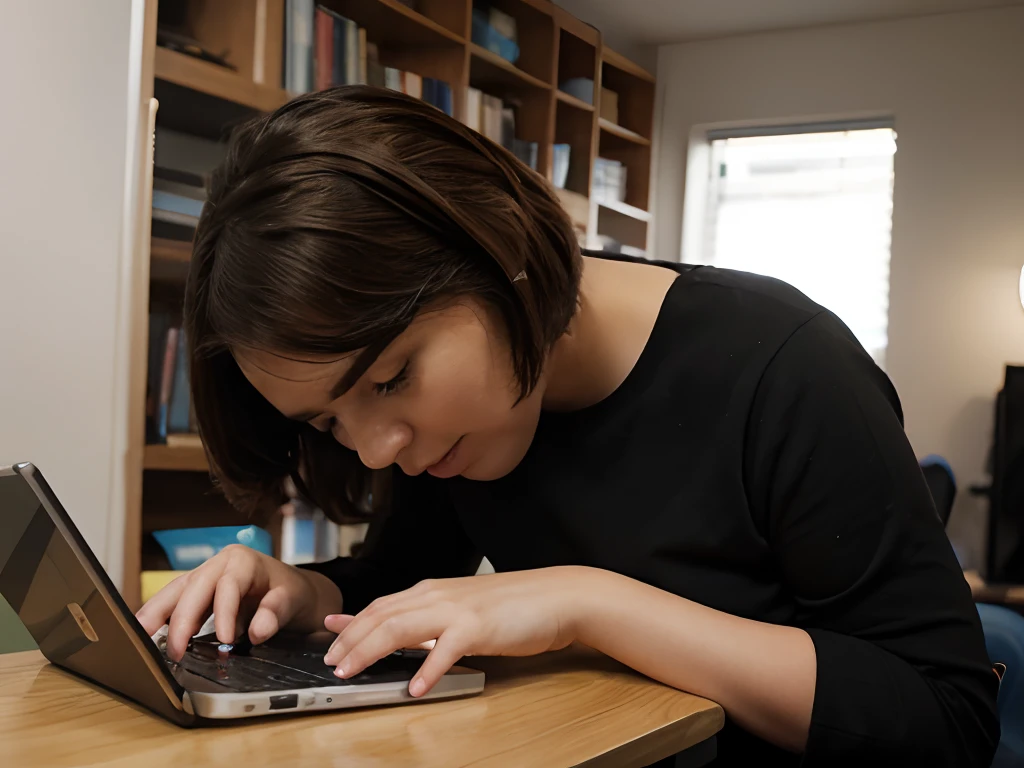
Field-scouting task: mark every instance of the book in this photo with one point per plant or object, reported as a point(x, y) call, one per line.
point(412, 84)
point(361, 56)
point(298, 43)
point(174, 217)
point(184, 440)
point(526, 151)
point(351, 53)
point(490, 118)
point(445, 98)
point(324, 49)
point(609, 182)
point(473, 101)
point(337, 45)
point(374, 69)
point(166, 382)
point(159, 322)
point(508, 127)
point(175, 203)
point(178, 407)
point(560, 154)
point(429, 93)
point(393, 78)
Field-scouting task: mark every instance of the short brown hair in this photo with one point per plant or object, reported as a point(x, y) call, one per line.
point(330, 224)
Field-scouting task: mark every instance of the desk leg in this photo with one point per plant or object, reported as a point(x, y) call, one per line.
point(698, 755)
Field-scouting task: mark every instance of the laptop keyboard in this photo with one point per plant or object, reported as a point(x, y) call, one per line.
point(247, 668)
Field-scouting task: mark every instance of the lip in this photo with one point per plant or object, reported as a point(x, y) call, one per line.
point(450, 465)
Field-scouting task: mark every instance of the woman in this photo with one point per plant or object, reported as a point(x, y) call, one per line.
point(695, 471)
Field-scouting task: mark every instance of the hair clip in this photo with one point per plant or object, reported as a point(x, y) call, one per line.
point(520, 276)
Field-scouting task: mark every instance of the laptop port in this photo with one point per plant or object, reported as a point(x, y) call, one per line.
point(285, 701)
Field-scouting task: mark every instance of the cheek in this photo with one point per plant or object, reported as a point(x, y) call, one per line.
point(466, 388)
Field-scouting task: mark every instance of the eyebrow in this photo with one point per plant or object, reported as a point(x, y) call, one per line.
point(334, 394)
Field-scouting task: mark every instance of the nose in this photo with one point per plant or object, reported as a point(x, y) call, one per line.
point(378, 444)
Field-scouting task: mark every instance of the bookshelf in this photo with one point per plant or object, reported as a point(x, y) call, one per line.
point(169, 486)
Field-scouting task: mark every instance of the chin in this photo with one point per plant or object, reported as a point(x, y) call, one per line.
point(493, 467)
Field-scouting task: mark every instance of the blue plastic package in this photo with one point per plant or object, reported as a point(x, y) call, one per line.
point(188, 548)
point(486, 36)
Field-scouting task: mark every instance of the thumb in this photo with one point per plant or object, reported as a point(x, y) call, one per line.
point(273, 613)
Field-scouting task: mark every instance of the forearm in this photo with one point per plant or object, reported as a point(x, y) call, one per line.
point(763, 675)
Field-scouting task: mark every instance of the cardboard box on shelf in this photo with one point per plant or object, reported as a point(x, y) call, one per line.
point(610, 105)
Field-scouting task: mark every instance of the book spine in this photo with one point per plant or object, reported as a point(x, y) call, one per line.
point(414, 85)
point(362, 56)
point(177, 413)
point(324, 49)
point(351, 52)
point(166, 381)
point(473, 108)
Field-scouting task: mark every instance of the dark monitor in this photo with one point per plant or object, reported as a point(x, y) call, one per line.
point(1005, 557)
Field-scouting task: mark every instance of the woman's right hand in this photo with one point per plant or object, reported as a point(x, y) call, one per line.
point(244, 587)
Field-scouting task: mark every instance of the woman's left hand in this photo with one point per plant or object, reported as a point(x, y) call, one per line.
point(504, 614)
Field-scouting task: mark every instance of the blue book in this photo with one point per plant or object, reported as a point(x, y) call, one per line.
point(430, 91)
point(298, 45)
point(177, 415)
point(168, 201)
point(445, 97)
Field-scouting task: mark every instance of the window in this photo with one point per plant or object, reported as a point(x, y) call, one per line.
point(813, 208)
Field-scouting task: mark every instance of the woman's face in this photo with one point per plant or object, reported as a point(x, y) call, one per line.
point(440, 399)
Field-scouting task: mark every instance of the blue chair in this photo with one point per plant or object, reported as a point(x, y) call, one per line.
point(1004, 639)
point(1004, 632)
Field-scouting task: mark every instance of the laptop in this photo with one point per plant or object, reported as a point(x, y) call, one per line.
point(81, 623)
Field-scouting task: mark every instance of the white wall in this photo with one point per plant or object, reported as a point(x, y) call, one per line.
point(955, 85)
point(68, 107)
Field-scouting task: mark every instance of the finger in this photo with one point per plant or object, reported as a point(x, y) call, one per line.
point(451, 646)
point(368, 619)
point(157, 610)
point(275, 611)
point(226, 602)
point(191, 611)
point(395, 632)
point(337, 622)
point(355, 629)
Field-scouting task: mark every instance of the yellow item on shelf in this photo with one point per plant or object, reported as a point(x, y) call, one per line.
point(154, 581)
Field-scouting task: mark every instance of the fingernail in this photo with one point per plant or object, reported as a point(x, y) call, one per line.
point(339, 672)
point(416, 687)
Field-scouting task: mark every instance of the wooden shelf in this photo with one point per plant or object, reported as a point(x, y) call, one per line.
point(164, 249)
point(626, 210)
point(572, 101)
point(623, 133)
point(216, 81)
point(491, 69)
point(175, 459)
point(390, 23)
point(169, 260)
point(621, 63)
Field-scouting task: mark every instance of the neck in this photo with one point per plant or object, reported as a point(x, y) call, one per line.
point(619, 305)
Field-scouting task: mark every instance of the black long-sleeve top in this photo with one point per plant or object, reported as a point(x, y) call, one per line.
point(753, 461)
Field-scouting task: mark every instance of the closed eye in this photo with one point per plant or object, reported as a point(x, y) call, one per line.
point(393, 385)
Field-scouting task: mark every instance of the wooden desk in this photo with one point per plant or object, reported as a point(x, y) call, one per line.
point(573, 707)
point(1001, 594)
